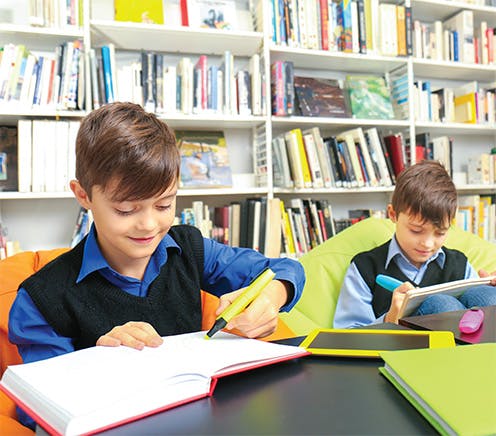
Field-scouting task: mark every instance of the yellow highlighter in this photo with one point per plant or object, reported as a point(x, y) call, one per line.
point(238, 305)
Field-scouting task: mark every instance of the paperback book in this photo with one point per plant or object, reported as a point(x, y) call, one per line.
point(370, 97)
point(204, 159)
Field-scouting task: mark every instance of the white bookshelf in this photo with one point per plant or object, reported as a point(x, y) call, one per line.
point(46, 220)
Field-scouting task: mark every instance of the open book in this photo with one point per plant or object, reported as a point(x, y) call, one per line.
point(101, 387)
point(415, 297)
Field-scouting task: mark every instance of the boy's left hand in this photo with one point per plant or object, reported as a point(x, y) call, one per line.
point(259, 319)
point(484, 273)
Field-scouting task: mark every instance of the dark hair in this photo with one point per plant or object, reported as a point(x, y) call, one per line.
point(426, 189)
point(121, 142)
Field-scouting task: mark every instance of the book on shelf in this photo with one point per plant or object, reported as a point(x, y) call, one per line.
point(139, 11)
point(89, 394)
point(281, 168)
point(9, 179)
point(212, 14)
point(425, 377)
point(414, 297)
point(396, 148)
point(300, 170)
point(204, 159)
point(379, 156)
point(369, 97)
point(317, 97)
point(462, 23)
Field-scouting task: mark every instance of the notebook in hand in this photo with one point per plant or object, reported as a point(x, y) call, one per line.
point(101, 387)
point(453, 388)
point(416, 296)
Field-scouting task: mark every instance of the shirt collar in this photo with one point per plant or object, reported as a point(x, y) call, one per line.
point(93, 259)
point(395, 250)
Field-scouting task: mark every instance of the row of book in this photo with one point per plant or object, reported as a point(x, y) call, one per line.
point(272, 226)
point(353, 158)
point(38, 155)
point(54, 80)
point(477, 214)
point(351, 26)
point(470, 102)
point(481, 168)
point(55, 13)
point(456, 39)
point(358, 96)
point(190, 86)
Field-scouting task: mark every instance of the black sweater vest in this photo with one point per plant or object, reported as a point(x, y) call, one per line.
point(91, 308)
point(371, 263)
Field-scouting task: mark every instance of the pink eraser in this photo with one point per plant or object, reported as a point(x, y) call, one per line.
point(471, 320)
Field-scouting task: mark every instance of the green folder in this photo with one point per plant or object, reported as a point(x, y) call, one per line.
point(453, 388)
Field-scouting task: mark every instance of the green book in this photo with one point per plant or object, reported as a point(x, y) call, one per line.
point(453, 388)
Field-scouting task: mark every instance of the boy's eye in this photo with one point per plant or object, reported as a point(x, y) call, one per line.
point(123, 212)
point(164, 207)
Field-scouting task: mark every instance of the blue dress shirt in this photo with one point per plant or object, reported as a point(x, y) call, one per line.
point(354, 307)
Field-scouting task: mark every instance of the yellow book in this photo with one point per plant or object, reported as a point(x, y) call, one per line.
point(307, 176)
point(139, 11)
point(401, 29)
point(465, 109)
point(287, 235)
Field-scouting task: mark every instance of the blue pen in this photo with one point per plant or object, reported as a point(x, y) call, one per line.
point(387, 282)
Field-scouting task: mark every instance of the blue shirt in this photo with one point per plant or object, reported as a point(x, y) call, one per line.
point(354, 307)
point(225, 269)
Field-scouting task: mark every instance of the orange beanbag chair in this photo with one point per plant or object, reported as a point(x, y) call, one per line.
point(13, 271)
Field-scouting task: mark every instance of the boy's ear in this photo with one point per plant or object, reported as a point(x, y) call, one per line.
point(391, 213)
point(80, 194)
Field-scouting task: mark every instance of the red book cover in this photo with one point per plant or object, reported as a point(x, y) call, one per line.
point(184, 12)
point(324, 24)
point(394, 145)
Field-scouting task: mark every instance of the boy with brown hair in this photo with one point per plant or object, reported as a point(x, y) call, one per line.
point(423, 207)
point(135, 277)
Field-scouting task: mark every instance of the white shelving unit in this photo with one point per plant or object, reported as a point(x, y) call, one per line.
point(46, 220)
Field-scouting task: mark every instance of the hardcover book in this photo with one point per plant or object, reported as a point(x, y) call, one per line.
point(426, 378)
point(370, 97)
point(204, 159)
point(139, 11)
point(83, 391)
point(320, 97)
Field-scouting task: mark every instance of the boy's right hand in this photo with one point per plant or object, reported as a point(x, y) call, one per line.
point(133, 334)
point(397, 301)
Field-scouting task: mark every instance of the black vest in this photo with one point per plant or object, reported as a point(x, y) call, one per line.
point(371, 263)
point(91, 308)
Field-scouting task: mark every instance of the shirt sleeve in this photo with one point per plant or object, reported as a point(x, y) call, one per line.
point(354, 307)
point(470, 272)
point(34, 337)
point(229, 268)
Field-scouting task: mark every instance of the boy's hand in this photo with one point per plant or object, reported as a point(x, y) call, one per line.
point(397, 301)
point(484, 273)
point(133, 334)
point(259, 319)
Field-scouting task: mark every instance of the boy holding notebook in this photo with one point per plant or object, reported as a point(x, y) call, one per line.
point(136, 277)
point(423, 207)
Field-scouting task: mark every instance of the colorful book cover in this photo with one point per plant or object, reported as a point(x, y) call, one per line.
point(320, 97)
point(139, 11)
point(370, 97)
point(204, 159)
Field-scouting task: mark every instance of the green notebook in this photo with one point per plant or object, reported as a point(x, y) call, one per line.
point(453, 388)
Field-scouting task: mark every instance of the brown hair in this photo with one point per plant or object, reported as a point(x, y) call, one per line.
point(123, 143)
point(426, 189)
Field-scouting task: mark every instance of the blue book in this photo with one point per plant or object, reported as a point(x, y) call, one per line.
point(455, 46)
point(107, 74)
point(37, 87)
point(426, 86)
point(213, 85)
